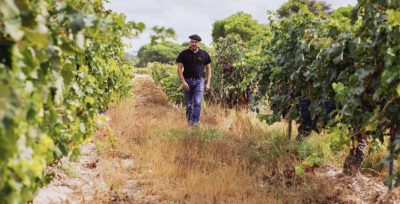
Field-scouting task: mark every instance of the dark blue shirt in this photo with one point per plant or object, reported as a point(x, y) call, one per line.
point(193, 63)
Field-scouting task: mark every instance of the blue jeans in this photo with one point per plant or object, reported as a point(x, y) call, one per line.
point(193, 99)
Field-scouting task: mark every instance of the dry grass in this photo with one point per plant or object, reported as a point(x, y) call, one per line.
point(231, 158)
point(147, 154)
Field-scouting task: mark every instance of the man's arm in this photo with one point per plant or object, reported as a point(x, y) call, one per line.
point(208, 71)
point(181, 78)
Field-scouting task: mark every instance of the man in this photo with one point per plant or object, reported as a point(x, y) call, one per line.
point(191, 65)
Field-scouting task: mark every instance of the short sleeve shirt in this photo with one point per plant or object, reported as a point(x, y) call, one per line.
point(193, 63)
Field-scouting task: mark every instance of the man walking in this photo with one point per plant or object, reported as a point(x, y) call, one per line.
point(191, 65)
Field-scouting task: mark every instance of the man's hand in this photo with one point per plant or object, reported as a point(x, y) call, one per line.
point(208, 79)
point(207, 86)
point(185, 86)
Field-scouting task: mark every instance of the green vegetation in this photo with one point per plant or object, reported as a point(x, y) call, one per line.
point(207, 134)
point(61, 63)
point(333, 71)
point(297, 6)
point(240, 23)
point(161, 34)
point(166, 77)
point(326, 70)
point(161, 52)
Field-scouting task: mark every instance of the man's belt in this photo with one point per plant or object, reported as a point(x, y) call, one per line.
point(193, 78)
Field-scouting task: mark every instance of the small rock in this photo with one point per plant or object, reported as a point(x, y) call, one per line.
point(127, 163)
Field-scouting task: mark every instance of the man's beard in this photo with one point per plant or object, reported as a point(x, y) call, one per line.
point(193, 47)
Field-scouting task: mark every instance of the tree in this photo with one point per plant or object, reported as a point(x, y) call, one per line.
point(240, 23)
point(161, 52)
point(295, 6)
point(161, 34)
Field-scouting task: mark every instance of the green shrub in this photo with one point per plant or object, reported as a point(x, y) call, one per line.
point(166, 76)
point(61, 64)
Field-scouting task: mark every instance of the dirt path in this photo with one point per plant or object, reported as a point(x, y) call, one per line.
point(147, 154)
point(102, 174)
point(74, 182)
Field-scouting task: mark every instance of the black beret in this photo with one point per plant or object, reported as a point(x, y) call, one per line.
point(195, 37)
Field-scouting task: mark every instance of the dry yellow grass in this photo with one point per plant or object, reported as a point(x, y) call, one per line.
point(148, 154)
point(228, 159)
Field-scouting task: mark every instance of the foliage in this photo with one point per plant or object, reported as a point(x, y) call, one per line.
point(235, 71)
point(166, 76)
point(369, 97)
point(240, 23)
point(338, 68)
point(303, 65)
point(296, 6)
point(166, 53)
point(61, 63)
point(238, 42)
point(161, 34)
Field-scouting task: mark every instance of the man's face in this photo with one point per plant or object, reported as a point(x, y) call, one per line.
point(194, 44)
